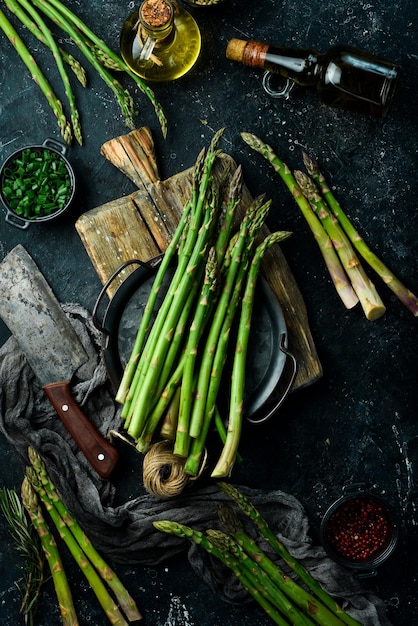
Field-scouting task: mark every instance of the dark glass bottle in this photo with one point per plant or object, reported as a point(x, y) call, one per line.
point(344, 77)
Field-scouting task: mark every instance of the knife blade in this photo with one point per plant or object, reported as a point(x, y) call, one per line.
point(52, 349)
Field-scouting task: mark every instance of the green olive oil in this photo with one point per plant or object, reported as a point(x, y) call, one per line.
point(172, 55)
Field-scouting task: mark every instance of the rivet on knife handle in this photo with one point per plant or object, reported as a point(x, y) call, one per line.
point(98, 451)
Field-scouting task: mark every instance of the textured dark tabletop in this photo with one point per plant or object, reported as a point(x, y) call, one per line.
point(359, 422)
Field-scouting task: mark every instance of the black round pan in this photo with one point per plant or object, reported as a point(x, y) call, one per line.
point(267, 351)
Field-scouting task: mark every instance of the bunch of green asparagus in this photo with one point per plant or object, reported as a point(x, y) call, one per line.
point(31, 14)
point(288, 598)
point(37, 489)
point(339, 241)
point(178, 357)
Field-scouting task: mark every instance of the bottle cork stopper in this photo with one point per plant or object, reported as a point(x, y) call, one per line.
point(235, 50)
point(156, 13)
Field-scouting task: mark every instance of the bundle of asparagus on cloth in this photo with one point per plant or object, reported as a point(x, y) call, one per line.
point(179, 356)
point(39, 496)
point(38, 16)
point(337, 238)
point(286, 591)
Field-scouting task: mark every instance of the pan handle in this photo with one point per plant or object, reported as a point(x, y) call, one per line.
point(289, 385)
point(145, 264)
point(16, 221)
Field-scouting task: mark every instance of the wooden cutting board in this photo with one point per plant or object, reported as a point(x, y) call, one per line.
point(140, 226)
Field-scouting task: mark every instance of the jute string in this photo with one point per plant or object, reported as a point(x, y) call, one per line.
point(163, 472)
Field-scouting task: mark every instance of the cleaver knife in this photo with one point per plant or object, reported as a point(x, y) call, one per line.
point(52, 348)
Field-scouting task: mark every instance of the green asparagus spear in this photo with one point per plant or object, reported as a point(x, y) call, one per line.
point(227, 559)
point(217, 350)
point(129, 372)
point(204, 306)
point(123, 97)
point(336, 271)
point(249, 509)
point(75, 118)
point(74, 64)
point(62, 589)
point(124, 599)
point(112, 59)
point(403, 293)
point(270, 587)
point(297, 594)
point(186, 239)
point(176, 346)
point(370, 300)
point(192, 261)
point(147, 388)
point(37, 75)
point(227, 458)
point(106, 601)
point(233, 199)
point(239, 248)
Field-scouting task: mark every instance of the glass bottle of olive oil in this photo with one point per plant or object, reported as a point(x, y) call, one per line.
point(344, 77)
point(161, 41)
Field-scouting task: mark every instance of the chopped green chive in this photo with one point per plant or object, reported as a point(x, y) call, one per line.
point(36, 184)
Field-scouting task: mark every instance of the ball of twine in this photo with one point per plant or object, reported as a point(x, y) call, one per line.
point(163, 472)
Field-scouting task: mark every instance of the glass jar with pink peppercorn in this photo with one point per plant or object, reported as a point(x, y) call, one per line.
point(359, 530)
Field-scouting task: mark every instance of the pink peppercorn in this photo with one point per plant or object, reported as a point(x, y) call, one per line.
point(359, 529)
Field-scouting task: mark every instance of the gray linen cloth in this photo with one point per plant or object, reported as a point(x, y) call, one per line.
point(124, 531)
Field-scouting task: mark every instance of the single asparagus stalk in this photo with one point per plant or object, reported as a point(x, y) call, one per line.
point(102, 56)
point(228, 455)
point(204, 306)
point(272, 588)
point(169, 425)
point(220, 427)
point(37, 75)
point(370, 300)
point(247, 580)
point(106, 601)
point(126, 602)
point(403, 293)
point(74, 64)
point(62, 588)
point(297, 594)
point(233, 199)
point(29, 547)
point(75, 118)
point(102, 49)
point(249, 509)
point(122, 96)
point(336, 271)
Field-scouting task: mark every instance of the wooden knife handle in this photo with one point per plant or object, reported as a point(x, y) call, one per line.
point(101, 455)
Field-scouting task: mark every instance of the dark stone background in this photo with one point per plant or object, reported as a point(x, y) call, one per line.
point(359, 422)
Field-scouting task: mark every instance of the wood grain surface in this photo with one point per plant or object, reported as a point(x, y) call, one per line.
point(140, 226)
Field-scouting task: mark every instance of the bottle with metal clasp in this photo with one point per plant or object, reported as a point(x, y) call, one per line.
point(344, 77)
point(160, 41)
